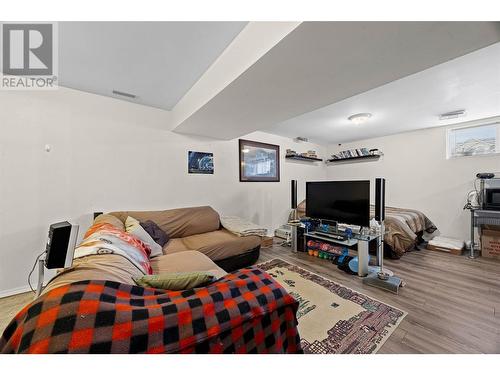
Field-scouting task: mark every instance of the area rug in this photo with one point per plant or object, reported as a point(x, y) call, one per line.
point(333, 318)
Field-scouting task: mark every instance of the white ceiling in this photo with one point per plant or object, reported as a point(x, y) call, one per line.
point(470, 82)
point(157, 61)
point(320, 63)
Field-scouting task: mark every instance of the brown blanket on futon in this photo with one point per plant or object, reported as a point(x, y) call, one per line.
point(402, 227)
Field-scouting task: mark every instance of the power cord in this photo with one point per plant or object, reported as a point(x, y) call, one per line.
point(32, 269)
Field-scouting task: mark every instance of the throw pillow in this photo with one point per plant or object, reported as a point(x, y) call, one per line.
point(175, 281)
point(158, 234)
point(133, 227)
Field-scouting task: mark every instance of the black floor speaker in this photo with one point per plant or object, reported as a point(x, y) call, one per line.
point(380, 199)
point(294, 194)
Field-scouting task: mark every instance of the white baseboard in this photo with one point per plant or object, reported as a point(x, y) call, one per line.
point(14, 291)
point(49, 275)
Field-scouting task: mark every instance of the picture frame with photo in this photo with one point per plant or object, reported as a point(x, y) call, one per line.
point(200, 162)
point(259, 162)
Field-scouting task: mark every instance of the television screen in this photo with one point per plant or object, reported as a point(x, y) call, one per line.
point(346, 202)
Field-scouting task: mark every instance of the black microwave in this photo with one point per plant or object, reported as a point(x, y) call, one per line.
point(491, 199)
point(490, 196)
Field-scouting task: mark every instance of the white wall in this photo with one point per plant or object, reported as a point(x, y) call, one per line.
point(419, 176)
point(113, 155)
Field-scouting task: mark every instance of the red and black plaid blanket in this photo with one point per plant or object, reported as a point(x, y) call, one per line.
point(244, 312)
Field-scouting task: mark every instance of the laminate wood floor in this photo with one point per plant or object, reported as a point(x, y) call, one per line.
point(453, 303)
point(9, 306)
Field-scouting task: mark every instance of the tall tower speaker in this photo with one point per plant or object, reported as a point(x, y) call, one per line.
point(381, 277)
point(380, 199)
point(294, 194)
point(293, 217)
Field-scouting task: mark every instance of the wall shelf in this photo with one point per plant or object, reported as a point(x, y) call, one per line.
point(355, 159)
point(303, 158)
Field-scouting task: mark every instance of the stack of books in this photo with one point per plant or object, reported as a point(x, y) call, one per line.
point(354, 153)
point(309, 154)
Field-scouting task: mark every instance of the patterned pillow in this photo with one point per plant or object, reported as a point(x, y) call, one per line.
point(110, 219)
point(104, 238)
point(133, 227)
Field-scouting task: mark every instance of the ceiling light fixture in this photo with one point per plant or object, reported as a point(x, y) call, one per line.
point(360, 118)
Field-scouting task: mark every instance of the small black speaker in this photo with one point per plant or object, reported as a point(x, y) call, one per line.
point(380, 199)
point(294, 194)
point(61, 245)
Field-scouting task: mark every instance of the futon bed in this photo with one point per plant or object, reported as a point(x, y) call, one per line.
point(405, 229)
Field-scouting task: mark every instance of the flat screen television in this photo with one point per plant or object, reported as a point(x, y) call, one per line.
point(346, 202)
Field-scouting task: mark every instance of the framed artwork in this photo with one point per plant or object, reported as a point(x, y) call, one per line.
point(259, 162)
point(200, 162)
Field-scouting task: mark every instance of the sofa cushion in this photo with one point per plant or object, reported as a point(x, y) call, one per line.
point(174, 246)
point(216, 245)
point(179, 222)
point(186, 261)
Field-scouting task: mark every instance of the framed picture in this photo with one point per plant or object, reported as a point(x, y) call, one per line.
point(259, 162)
point(200, 162)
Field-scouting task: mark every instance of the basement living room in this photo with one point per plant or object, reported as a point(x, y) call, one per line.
point(267, 187)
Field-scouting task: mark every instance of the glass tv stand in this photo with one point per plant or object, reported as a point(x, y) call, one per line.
point(359, 240)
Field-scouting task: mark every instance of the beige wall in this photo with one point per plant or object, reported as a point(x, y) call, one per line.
point(419, 176)
point(113, 155)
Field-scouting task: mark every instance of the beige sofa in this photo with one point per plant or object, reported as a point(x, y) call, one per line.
point(197, 244)
point(199, 229)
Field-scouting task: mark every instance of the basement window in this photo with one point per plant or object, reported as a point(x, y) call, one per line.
point(473, 140)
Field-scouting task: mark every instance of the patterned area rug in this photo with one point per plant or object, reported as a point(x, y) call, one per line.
point(333, 318)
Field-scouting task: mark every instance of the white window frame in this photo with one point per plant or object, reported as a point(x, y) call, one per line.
point(473, 125)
